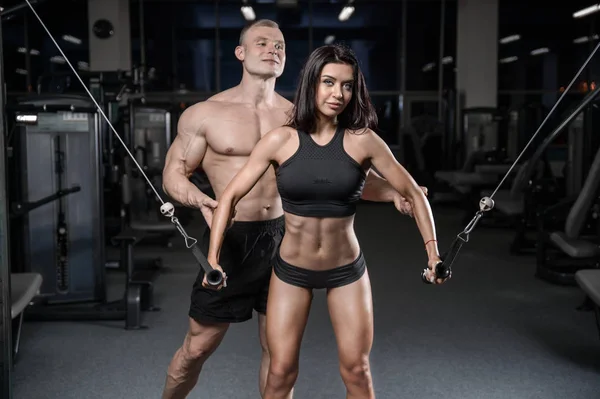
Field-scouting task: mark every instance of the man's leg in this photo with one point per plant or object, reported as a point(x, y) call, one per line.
point(200, 342)
point(265, 355)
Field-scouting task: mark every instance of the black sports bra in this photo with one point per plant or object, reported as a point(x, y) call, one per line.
point(320, 181)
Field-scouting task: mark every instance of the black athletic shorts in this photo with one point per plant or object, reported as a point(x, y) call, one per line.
point(331, 278)
point(246, 257)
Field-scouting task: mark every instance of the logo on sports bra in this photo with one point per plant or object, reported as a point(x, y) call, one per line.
point(322, 181)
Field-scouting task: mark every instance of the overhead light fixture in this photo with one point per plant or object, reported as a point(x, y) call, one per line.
point(586, 11)
point(21, 71)
point(447, 60)
point(32, 51)
point(57, 59)
point(511, 38)
point(248, 13)
point(329, 39)
point(508, 60)
point(541, 50)
point(71, 39)
point(428, 67)
point(346, 13)
point(585, 39)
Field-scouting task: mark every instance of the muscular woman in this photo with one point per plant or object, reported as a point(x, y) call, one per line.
point(322, 158)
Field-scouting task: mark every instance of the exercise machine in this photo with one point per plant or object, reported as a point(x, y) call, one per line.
point(562, 253)
point(544, 178)
point(57, 148)
point(150, 133)
point(16, 289)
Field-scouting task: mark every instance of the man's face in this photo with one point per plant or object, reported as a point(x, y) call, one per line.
point(263, 52)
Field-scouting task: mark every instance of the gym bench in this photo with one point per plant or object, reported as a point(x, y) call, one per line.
point(589, 281)
point(23, 288)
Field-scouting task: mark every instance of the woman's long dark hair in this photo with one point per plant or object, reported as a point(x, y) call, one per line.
point(358, 114)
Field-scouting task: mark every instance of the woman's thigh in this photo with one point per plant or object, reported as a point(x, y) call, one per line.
point(351, 312)
point(288, 308)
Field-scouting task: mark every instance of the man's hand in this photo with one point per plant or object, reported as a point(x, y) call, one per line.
point(207, 207)
point(220, 286)
point(404, 206)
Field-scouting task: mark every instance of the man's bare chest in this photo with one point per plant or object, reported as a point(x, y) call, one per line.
point(238, 134)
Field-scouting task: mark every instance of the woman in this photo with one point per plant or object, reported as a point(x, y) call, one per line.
point(322, 159)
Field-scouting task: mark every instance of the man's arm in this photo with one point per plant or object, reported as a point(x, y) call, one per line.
point(183, 157)
point(378, 189)
point(256, 166)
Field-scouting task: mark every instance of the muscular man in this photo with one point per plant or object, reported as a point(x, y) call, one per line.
point(219, 135)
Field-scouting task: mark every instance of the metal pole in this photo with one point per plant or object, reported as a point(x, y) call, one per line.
point(142, 48)
point(5, 301)
point(440, 63)
point(403, 117)
point(310, 27)
point(217, 48)
point(404, 28)
point(174, 73)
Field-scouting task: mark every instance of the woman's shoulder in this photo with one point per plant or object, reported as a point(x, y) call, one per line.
point(367, 139)
point(363, 134)
point(280, 135)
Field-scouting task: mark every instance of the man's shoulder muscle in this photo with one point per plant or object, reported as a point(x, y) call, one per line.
point(200, 115)
point(195, 116)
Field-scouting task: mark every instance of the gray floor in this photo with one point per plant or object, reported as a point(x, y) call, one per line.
point(493, 332)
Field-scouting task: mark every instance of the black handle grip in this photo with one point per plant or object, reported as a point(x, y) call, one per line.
point(442, 270)
point(214, 277)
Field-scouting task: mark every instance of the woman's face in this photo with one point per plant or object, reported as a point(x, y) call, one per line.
point(334, 89)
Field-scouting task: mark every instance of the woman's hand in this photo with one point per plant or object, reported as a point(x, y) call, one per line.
point(429, 274)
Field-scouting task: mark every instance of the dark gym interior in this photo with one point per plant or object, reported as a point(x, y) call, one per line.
point(475, 98)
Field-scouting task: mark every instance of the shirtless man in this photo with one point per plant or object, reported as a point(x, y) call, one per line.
point(219, 135)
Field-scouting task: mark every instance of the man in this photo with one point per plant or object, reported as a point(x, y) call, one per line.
point(219, 135)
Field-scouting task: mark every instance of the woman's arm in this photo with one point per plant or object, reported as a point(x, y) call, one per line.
point(257, 164)
point(382, 158)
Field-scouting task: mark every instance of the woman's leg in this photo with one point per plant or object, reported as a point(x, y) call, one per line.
point(287, 312)
point(351, 312)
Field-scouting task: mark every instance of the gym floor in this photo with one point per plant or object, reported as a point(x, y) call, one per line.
point(494, 331)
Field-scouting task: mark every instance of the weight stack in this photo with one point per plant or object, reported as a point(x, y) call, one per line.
point(63, 240)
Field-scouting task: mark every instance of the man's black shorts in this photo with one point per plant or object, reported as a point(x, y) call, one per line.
point(246, 257)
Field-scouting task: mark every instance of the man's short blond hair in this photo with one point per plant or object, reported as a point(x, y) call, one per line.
point(255, 24)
